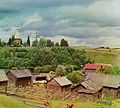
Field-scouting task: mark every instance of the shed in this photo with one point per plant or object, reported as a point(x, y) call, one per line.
point(92, 67)
point(3, 79)
point(89, 89)
point(111, 83)
point(59, 84)
point(40, 78)
point(20, 77)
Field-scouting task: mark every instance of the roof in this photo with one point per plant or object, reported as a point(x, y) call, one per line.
point(21, 73)
point(92, 66)
point(87, 91)
point(107, 80)
point(91, 84)
point(3, 76)
point(62, 81)
point(41, 75)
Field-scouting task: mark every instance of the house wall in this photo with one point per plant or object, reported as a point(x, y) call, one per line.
point(11, 77)
point(86, 96)
point(109, 92)
point(90, 70)
point(5, 84)
point(23, 81)
point(53, 85)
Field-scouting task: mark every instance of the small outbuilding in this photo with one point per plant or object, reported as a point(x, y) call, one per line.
point(3, 79)
point(88, 90)
point(111, 83)
point(20, 77)
point(91, 68)
point(59, 84)
point(40, 78)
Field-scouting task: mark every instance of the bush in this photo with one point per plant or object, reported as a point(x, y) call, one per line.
point(75, 77)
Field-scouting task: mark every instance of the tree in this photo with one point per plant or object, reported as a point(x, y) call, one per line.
point(57, 44)
point(28, 41)
point(50, 43)
point(42, 43)
point(35, 43)
point(0, 43)
point(75, 77)
point(64, 42)
point(9, 41)
point(21, 42)
point(61, 70)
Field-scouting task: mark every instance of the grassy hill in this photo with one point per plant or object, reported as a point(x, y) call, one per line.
point(100, 55)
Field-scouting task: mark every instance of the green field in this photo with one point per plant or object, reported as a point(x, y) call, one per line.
point(12, 102)
point(107, 56)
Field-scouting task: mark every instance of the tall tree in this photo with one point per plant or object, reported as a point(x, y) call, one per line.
point(21, 42)
point(10, 41)
point(0, 43)
point(28, 41)
point(64, 42)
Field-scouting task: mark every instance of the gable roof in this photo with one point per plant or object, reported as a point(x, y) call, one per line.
point(62, 81)
point(3, 76)
point(93, 66)
point(21, 73)
point(41, 75)
point(91, 84)
point(107, 80)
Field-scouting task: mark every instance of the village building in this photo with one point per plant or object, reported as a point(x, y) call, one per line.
point(17, 38)
point(92, 68)
point(40, 78)
point(59, 84)
point(3, 79)
point(111, 83)
point(20, 77)
point(33, 37)
point(88, 90)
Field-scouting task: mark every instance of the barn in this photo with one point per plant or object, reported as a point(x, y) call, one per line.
point(59, 84)
point(88, 90)
point(20, 77)
point(88, 68)
point(3, 79)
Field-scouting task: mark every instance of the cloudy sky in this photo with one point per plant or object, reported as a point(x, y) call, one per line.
point(81, 22)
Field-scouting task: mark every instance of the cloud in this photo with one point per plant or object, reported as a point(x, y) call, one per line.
point(86, 22)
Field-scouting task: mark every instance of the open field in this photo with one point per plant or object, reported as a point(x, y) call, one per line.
point(12, 102)
point(107, 56)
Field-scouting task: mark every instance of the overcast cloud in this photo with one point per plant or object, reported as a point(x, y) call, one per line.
point(82, 22)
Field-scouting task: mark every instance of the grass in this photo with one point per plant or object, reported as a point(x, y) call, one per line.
point(10, 102)
point(100, 55)
point(81, 104)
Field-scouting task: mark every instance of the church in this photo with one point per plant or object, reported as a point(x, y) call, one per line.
point(17, 38)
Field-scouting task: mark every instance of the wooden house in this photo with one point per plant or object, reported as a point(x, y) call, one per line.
point(20, 77)
point(111, 83)
point(59, 84)
point(91, 68)
point(88, 90)
point(3, 79)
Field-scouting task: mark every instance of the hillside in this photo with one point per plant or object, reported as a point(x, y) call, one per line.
point(107, 56)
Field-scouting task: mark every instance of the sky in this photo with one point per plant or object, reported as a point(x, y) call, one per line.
point(81, 22)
